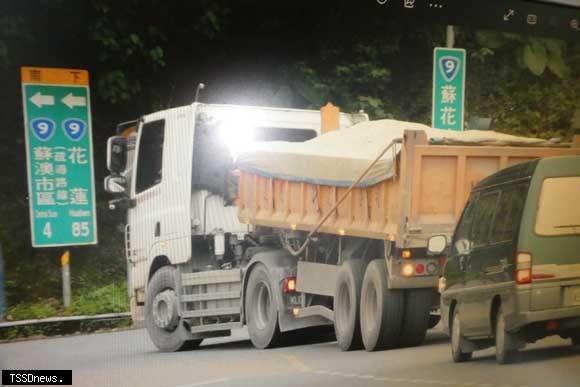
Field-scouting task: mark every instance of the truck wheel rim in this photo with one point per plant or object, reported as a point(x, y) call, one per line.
point(165, 310)
point(263, 307)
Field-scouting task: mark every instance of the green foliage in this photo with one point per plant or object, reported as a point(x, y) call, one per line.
point(34, 310)
point(535, 54)
point(107, 299)
point(537, 97)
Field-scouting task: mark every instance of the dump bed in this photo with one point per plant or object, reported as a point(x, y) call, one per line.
point(426, 191)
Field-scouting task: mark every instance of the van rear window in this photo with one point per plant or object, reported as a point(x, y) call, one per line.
point(556, 214)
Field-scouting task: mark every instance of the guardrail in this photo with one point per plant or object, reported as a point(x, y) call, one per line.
point(106, 316)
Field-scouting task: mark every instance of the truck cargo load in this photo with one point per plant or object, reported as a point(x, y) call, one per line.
point(415, 189)
point(338, 157)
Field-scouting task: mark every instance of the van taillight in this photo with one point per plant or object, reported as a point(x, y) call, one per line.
point(523, 268)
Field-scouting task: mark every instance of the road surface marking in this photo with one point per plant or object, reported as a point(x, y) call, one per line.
point(206, 382)
point(294, 362)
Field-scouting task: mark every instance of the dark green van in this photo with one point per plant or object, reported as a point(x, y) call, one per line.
point(513, 273)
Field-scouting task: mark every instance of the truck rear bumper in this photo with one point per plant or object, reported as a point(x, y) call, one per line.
point(398, 282)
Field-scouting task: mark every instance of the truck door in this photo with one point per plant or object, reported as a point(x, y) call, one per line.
point(160, 222)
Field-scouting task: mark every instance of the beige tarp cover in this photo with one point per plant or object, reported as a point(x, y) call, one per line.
point(339, 157)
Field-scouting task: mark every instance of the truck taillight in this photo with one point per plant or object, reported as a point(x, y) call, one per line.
point(523, 268)
point(289, 285)
point(408, 269)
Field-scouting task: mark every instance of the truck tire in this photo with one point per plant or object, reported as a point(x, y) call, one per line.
point(381, 309)
point(161, 320)
point(576, 341)
point(506, 347)
point(434, 319)
point(261, 309)
point(458, 352)
point(346, 304)
point(418, 304)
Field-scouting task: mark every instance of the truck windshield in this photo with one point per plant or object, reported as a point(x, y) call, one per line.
point(555, 214)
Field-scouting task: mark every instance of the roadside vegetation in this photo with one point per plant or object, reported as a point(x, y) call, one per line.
point(107, 299)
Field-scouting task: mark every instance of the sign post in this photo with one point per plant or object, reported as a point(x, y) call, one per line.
point(2, 282)
point(448, 88)
point(57, 124)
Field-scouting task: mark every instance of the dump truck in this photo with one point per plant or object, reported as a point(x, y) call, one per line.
point(346, 229)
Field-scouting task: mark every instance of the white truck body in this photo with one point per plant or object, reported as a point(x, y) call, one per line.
point(167, 214)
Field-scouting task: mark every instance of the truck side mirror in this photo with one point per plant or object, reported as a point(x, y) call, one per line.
point(116, 154)
point(115, 184)
point(436, 244)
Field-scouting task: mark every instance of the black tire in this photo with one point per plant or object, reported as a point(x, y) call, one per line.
point(433, 321)
point(347, 304)
point(381, 309)
point(576, 341)
point(261, 309)
point(173, 336)
point(418, 305)
point(506, 350)
point(458, 352)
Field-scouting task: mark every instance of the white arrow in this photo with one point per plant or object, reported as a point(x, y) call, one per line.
point(508, 15)
point(40, 100)
point(71, 101)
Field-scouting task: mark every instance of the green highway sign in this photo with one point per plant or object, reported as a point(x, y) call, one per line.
point(448, 88)
point(57, 124)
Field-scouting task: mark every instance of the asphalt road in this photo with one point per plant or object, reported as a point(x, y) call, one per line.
point(128, 359)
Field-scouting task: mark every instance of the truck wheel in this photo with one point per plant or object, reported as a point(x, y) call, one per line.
point(576, 341)
point(261, 310)
point(346, 304)
point(161, 318)
point(506, 349)
point(381, 309)
point(457, 340)
point(418, 304)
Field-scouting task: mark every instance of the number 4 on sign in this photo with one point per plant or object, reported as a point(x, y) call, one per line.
point(47, 230)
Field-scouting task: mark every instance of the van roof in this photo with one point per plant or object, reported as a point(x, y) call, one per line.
point(515, 172)
point(522, 171)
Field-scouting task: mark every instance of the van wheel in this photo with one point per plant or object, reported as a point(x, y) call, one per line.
point(457, 340)
point(261, 310)
point(346, 304)
point(418, 304)
point(161, 319)
point(381, 309)
point(506, 349)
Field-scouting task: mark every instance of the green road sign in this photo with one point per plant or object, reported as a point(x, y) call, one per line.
point(57, 123)
point(448, 88)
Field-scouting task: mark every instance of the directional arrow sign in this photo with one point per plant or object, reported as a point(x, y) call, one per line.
point(42, 100)
point(71, 101)
point(59, 156)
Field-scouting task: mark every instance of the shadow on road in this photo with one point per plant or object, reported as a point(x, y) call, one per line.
point(540, 354)
point(230, 345)
point(306, 336)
